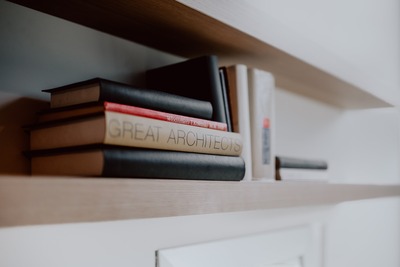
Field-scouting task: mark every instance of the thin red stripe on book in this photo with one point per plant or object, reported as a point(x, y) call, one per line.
point(159, 115)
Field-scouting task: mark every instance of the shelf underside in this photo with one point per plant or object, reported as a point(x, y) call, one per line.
point(26, 200)
point(175, 28)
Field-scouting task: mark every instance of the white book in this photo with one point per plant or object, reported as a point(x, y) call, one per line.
point(262, 123)
point(239, 103)
point(311, 175)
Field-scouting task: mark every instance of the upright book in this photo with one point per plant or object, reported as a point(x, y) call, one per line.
point(97, 90)
point(121, 129)
point(196, 78)
point(113, 161)
point(238, 96)
point(262, 122)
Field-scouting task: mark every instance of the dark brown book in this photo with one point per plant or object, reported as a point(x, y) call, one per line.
point(98, 90)
point(111, 161)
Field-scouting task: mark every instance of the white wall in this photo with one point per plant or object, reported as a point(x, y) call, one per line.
point(365, 34)
point(304, 127)
point(357, 40)
point(39, 51)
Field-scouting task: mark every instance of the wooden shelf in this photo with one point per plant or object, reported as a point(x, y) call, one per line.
point(39, 200)
point(175, 28)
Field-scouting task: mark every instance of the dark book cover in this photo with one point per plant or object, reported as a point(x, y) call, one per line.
point(225, 95)
point(153, 99)
point(300, 163)
point(197, 78)
point(115, 161)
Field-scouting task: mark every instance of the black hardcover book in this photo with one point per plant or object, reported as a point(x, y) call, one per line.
point(114, 161)
point(225, 95)
point(97, 90)
point(299, 163)
point(197, 78)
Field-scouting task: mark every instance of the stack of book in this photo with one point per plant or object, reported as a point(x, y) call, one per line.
point(244, 98)
point(104, 128)
point(301, 169)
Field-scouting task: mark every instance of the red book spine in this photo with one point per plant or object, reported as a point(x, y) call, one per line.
point(159, 115)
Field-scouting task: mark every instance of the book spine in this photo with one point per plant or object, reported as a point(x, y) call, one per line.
point(129, 130)
point(174, 165)
point(262, 121)
point(236, 77)
point(159, 115)
point(154, 99)
point(298, 163)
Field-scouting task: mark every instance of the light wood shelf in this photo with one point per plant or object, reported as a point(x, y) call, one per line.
point(28, 200)
point(175, 28)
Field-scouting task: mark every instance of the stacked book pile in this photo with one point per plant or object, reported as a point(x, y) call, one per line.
point(301, 169)
point(104, 128)
point(195, 120)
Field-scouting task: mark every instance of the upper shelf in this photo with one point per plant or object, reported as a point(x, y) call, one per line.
point(25, 200)
point(178, 29)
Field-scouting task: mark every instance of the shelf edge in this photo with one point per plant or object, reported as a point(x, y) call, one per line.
point(44, 200)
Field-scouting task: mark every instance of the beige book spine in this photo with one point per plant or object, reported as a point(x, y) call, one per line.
point(129, 130)
point(116, 128)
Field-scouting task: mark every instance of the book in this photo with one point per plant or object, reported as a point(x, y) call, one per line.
point(116, 128)
point(196, 78)
point(53, 114)
point(299, 174)
point(111, 161)
point(96, 90)
point(262, 122)
point(301, 169)
point(300, 163)
point(237, 84)
point(225, 96)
